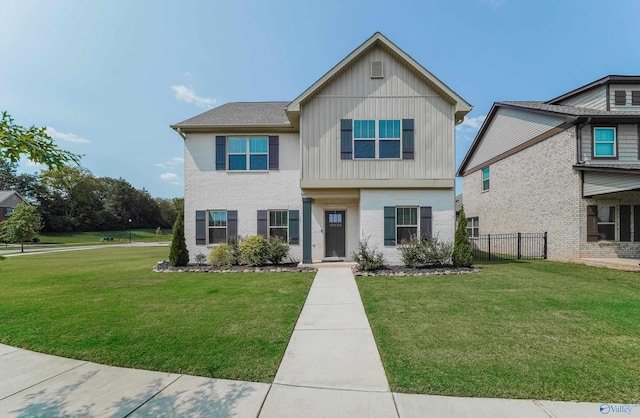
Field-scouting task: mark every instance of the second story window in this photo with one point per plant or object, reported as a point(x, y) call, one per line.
point(604, 142)
point(248, 153)
point(485, 179)
point(376, 139)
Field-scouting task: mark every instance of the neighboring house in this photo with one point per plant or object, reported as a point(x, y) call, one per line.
point(9, 199)
point(569, 166)
point(366, 152)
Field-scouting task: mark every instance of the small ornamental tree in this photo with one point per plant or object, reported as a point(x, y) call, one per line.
point(462, 254)
point(179, 255)
point(22, 225)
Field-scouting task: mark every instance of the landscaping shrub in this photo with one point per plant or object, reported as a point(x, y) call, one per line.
point(430, 252)
point(222, 256)
point(234, 243)
point(200, 258)
point(278, 250)
point(462, 252)
point(178, 254)
point(368, 259)
point(254, 250)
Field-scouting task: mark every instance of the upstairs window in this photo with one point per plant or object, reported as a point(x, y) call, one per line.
point(635, 98)
point(620, 98)
point(604, 142)
point(377, 140)
point(485, 179)
point(248, 153)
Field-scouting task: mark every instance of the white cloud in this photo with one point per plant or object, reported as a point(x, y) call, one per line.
point(171, 164)
point(186, 94)
point(171, 178)
point(472, 123)
point(68, 137)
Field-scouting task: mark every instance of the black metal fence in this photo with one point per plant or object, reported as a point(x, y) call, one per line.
point(509, 246)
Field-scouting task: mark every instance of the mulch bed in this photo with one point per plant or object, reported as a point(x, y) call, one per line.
point(166, 267)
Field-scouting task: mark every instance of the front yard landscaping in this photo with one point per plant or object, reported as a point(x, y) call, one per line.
point(107, 306)
point(527, 329)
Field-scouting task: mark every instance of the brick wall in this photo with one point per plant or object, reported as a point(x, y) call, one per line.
point(247, 192)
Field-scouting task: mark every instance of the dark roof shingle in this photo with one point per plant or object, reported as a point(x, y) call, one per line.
point(570, 110)
point(241, 114)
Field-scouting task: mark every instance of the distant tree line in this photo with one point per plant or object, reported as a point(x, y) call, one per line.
point(72, 199)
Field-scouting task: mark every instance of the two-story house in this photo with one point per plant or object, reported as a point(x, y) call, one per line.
point(9, 199)
point(367, 151)
point(569, 166)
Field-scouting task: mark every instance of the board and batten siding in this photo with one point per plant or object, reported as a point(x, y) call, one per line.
point(401, 94)
point(593, 99)
point(509, 129)
point(597, 183)
point(627, 137)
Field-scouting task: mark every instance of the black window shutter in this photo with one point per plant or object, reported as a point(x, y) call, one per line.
point(346, 139)
point(592, 223)
point(426, 224)
point(636, 223)
point(232, 223)
point(274, 152)
point(407, 139)
point(221, 152)
point(294, 227)
point(201, 227)
point(620, 97)
point(389, 225)
point(625, 223)
point(262, 223)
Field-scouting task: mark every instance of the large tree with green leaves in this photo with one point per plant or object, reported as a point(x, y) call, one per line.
point(22, 225)
point(17, 141)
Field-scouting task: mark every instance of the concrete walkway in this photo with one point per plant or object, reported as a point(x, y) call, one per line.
point(331, 368)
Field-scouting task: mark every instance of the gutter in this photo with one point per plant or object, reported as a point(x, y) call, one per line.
point(579, 139)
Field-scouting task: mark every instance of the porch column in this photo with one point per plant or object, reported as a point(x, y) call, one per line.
point(306, 230)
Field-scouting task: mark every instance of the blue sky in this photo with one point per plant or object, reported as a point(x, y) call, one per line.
point(108, 77)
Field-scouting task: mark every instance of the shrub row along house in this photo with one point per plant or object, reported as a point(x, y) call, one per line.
point(569, 166)
point(367, 151)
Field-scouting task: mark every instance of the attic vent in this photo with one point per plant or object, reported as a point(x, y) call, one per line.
point(377, 69)
point(621, 98)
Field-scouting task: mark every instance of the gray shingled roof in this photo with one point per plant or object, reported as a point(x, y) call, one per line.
point(241, 114)
point(570, 110)
point(621, 167)
point(5, 194)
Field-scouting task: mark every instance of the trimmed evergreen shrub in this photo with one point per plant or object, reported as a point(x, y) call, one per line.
point(462, 252)
point(278, 250)
point(368, 259)
point(254, 251)
point(178, 254)
point(234, 243)
point(222, 256)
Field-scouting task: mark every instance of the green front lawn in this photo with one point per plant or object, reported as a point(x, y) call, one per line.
point(527, 329)
point(107, 306)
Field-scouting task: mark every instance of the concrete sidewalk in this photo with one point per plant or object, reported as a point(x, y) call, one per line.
point(331, 368)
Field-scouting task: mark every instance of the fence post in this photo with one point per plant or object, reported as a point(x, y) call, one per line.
point(489, 245)
point(545, 245)
point(519, 239)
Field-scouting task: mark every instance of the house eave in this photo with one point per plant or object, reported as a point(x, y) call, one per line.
point(271, 128)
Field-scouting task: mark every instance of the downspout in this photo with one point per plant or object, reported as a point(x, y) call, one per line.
point(579, 139)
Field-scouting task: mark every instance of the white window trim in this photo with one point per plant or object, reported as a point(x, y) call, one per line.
point(376, 140)
point(615, 142)
point(488, 179)
point(247, 154)
point(471, 225)
point(225, 227)
point(269, 226)
point(417, 225)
